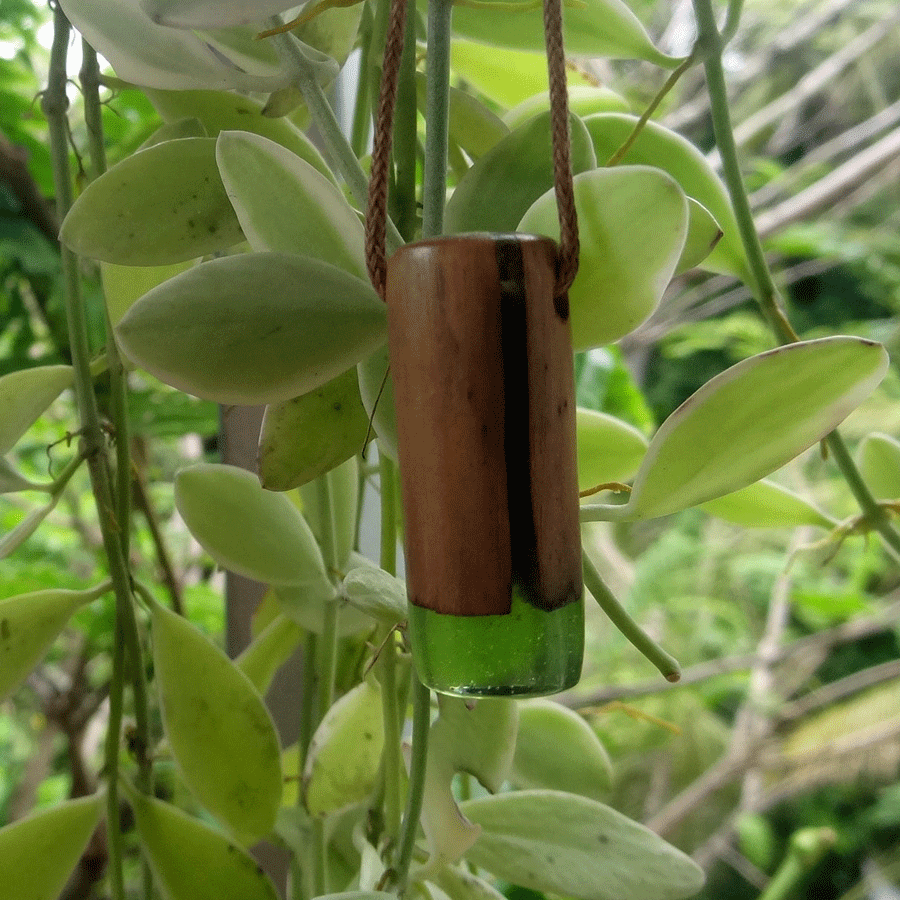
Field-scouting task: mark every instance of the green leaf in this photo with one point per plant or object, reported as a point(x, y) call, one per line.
point(563, 844)
point(24, 395)
point(307, 436)
point(557, 749)
point(633, 222)
point(190, 127)
point(344, 755)
point(305, 605)
point(227, 111)
point(751, 419)
point(12, 481)
point(251, 531)
point(150, 55)
point(505, 76)
point(584, 100)
point(879, 464)
point(664, 149)
point(123, 286)
point(29, 624)
point(286, 206)
point(376, 390)
point(460, 884)
point(191, 860)
point(472, 125)
point(702, 236)
point(608, 448)
point(376, 593)
point(212, 13)
point(765, 504)
point(269, 651)
point(221, 734)
point(592, 28)
point(163, 205)
point(479, 739)
point(12, 540)
point(499, 188)
point(307, 323)
point(39, 852)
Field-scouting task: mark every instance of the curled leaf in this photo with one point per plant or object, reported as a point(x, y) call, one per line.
point(24, 395)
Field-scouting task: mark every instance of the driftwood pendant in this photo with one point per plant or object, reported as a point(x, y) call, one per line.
point(481, 360)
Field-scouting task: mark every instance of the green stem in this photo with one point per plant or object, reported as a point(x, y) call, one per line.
point(759, 277)
point(326, 122)
point(362, 108)
point(327, 644)
point(619, 616)
point(732, 21)
point(406, 132)
point(55, 105)
point(387, 661)
point(420, 729)
point(437, 117)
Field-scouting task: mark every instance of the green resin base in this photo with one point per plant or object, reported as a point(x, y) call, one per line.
point(526, 653)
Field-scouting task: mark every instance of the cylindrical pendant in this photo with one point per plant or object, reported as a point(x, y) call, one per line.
point(481, 359)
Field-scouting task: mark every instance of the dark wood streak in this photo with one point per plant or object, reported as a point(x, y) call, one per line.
point(517, 417)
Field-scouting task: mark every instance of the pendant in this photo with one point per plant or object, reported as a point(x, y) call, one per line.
point(481, 359)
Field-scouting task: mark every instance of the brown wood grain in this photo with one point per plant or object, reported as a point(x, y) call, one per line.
point(482, 367)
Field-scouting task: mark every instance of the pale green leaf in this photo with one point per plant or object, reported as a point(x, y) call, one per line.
point(343, 484)
point(307, 436)
point(702, 236)
point(344, 755)
point(227, 111)
point(765, 504)
point(608, 448)
point(665, 149)
point(221, 734)
point(632, 223)
point(557, 749)
point(376, 390)
point(15, 537)
point(212, 13)
point(249, 530)
point(584, 100)
point(751, 419)
point(163, 205)
point(307, 323)
point(373, 591)
point(24, 395)
point(563, 844)
point(11, 480)
point(192, 861)
point(472, 125)
point(593, 28)
point(460, 884)
point(189, 127)
point(29, 624)
point(151, 55)
point(499, 188)
point(123, 286)
point(879, 464)
point(38, 853)
point(285, 205)
point(269, 651)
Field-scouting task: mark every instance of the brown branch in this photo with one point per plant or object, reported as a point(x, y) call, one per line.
point(35, 208)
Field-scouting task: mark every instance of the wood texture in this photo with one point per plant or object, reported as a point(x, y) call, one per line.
point(482, 365)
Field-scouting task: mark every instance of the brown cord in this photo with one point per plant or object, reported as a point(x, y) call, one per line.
point(376, 213)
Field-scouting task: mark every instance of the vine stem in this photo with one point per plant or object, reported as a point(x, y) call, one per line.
point(437, 117)
point(434, 196)
point(303, 76)
point(54, 104)
point(619, 616)
point(387, 661)
point(711, 44)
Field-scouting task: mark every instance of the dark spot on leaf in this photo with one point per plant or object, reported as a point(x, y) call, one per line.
point(191, 223)
point(603, 838)
point(212, 228)
point(368, 735)
point(4, 629)
point(338, 407)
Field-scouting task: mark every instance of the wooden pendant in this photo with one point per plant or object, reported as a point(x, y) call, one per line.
point(481, 359)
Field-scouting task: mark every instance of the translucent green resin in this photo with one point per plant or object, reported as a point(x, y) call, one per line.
point(528, 652)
